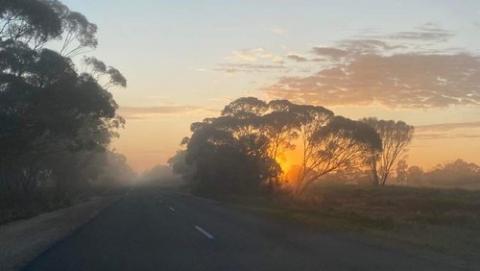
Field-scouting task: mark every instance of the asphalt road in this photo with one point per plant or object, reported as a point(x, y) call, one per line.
point(158, 229)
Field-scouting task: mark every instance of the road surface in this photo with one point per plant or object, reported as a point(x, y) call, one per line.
point(159, 229)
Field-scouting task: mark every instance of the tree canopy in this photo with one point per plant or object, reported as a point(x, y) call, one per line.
point(56, 120)
point(396, 136)
point(239, 150)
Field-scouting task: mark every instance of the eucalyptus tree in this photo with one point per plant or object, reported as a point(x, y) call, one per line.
point(341, 144)
point(238, 150)
point(280, 128)
point(37, 22)
point(49, 110)
point(224, 162)
point(305, 121)
point(229, 153)
point(395, 136)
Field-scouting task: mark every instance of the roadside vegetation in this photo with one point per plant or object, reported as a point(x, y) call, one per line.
point(278, 147)
point(443, 220)
point(57, 119)
point(343, 174)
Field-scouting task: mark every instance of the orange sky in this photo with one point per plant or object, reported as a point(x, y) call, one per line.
point(151, 139)
point(417, 61)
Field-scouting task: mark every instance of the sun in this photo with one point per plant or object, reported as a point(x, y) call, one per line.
point(289, 161)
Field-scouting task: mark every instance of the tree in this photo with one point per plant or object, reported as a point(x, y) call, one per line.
point(36, 22)
point(304, 121)
point(339, 145)
point(231, 153)
point(458, 173)
point(328, 143)
point(280, 128)
point(54, 119)
point(245, 107)
point(179, 166)
point(415, 175)
point(455, 174)
point(395, 136)
point(239, 149)
point(224, 162)
point(402, 172)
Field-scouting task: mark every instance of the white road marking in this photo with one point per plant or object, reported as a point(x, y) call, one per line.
point(171, 209)
point(204, 232)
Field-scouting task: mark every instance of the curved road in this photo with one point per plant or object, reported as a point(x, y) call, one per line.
point(158, 229)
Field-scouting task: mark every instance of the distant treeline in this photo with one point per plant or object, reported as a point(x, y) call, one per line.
point(456, 174)
point(238, 151)
point(56, 121)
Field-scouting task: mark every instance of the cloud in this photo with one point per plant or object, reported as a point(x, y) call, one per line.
point(367, 46)
point(459, 130)
point(297, 58)
point(347, 49)
point(329, 52)
point(426, 32)
point(386, 44)
point(137, 113)
point(251, 60)
point(373, 71)
point(425, 36)
point(434, 136)
point(448, 126)
point(245, 67)
point(253, 55)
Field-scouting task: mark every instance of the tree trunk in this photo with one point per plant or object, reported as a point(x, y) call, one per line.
point(384, 179)
point(375, 180)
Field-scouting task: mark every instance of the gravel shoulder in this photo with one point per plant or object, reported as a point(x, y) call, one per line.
point(23, 240)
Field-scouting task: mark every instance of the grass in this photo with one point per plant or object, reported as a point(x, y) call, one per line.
point(446, 221)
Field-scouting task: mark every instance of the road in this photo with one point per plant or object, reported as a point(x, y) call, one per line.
point(159, 229)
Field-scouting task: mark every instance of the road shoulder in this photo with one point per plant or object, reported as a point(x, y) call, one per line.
point(23, 240)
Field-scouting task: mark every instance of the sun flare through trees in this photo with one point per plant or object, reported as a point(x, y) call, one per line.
point(256, 146)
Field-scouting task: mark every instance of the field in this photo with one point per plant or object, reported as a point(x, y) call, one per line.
point(445, 221)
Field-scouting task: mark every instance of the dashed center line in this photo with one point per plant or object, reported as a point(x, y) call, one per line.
point(204, 232)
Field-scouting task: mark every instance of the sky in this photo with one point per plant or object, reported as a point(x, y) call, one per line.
point(417, 61)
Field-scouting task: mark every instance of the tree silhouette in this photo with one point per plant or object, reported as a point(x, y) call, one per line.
point(395, 136)
point(226, 161)
point(339, 145)
point(55, 120)
point(238, 151)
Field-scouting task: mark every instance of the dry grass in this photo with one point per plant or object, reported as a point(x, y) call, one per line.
point(446, 221)
point(398, 205)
